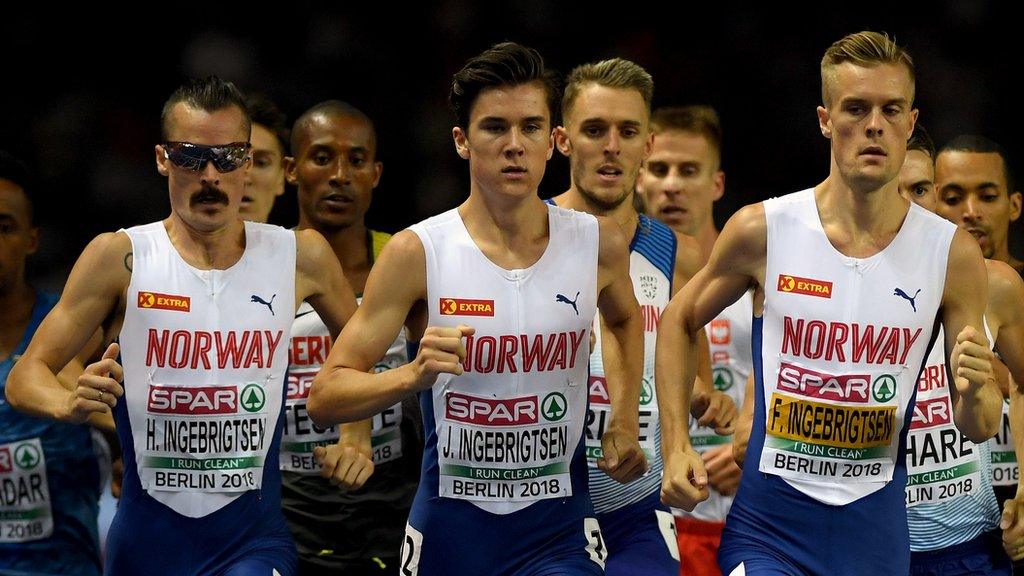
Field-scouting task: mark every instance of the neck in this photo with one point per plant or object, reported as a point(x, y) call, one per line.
point(865, 210)
point(349, 243)
point(502, 218)
point(624, 214)
point(16, 301)
point(1002, 253)
point(706, 235)
point(216, 249)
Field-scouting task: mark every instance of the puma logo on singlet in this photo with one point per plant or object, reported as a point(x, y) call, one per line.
point(560, 298)
point(270, 304)
point(899, 292)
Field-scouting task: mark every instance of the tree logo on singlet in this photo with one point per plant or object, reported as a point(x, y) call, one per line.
point(554, 406)
point(646, 392)
point(253, 398)
point(722, 379)
point(26, 456)
point(884, 388)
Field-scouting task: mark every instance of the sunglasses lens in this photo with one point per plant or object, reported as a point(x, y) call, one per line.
point(228, 158)
point(188, 156)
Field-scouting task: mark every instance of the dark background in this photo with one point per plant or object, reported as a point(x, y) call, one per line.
point(81, 92)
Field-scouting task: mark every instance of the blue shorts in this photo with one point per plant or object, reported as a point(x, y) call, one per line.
point(446, 537)
point(641, 539)
point(983, 555)
point(149, 538)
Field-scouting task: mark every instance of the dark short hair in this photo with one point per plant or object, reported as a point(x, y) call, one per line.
point(699, 119)
point(209, 94)
point(921, 141)
point(264, 112)
point(12, 168)
point(982, 145)
point(505, 64)
point(331, 109)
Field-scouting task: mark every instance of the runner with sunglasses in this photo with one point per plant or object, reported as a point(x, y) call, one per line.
point(202, 306)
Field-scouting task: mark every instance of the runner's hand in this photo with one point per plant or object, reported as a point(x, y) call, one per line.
point(685, 482)
point(974, 361)
point(98, 388)
point(715, 409)
point(1012, 525)
point(623, 458)
point(344, 465)
point(723, 473)
point(441, 351)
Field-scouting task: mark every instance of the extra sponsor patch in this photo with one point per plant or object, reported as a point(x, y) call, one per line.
point(805, 286)
point(466, 307)
point(164, 301)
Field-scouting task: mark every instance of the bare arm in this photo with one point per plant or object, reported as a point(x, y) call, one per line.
point(93, 290)
point(344, 391)
point(737, 259)
point(622, 355)
point(1006, 307)
point(977, 401)
point(711, 407)
point(744, 424)
point(319, 281)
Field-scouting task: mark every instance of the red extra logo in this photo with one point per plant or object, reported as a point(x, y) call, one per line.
point(818, 385)
point(466, 307)
point(721, 332)
point(490, 411)
point(197, 401)
point(164, 301)
point(805, 286)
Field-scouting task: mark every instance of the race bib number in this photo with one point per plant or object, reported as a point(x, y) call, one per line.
point(505, 449)
point(205, 438)
point(25, 511)
point(599, 414)
point(1004, 458)
point(834, 428)
point(942, 464)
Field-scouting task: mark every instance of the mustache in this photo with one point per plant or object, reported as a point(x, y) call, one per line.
point(208, 194)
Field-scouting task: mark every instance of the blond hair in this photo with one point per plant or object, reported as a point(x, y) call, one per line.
point(865, 49)
point(614, 73)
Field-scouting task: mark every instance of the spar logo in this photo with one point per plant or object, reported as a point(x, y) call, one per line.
point(819, 385)
point(554, 406)
point(491, 411)
point(253, 398)
point(197, 401)
point(466, 307)
point(164, 301)
point(721, 378)
point(805, 286)
point(26, 456)
point(884, 388)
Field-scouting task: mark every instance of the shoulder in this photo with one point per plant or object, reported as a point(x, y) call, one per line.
point(1005, 287)
point(748, 226)
point(377, 242)
point(613, 241)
